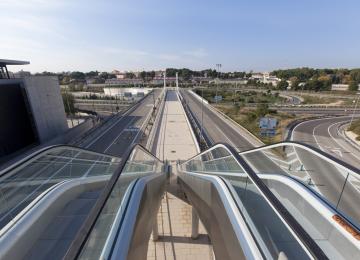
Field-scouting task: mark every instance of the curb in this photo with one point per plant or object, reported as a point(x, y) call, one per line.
point(150, 140)
point(188, 122)
point(348, 139)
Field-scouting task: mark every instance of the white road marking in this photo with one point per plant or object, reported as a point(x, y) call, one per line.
point(108, 147)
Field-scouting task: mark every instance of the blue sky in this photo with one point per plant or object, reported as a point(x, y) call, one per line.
point(63, 35)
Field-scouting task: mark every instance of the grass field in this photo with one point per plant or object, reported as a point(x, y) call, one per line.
point(249, 119)
point(355, 128)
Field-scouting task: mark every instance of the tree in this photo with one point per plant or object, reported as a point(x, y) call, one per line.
point(77, 75)
point(262, 110)
point(283, 84)
point(355, 75)
point(129, 75)
point(143, 75)
point(69, 103)
point(353, 86)
point(92, 74)
point(106, 75)
point(65, 80)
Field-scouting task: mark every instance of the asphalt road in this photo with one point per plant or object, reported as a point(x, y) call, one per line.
point(316, 110)
point(124, 131)
point(325, 135)
point(324, 177)
point(214, 126)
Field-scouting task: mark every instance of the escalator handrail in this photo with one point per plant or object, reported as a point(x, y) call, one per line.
point(86, 228)
point(44, 150)
point(299, 231)
point(328, 157)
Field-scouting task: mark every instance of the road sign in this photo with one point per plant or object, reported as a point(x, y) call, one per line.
point(267, 126)
point(268, 132)
point(268, 123)
point(218, 98)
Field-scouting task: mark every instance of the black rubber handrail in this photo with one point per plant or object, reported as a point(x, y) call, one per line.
point(317, 150)
point(86, 228)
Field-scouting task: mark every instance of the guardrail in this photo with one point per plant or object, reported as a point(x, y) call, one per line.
point(203, 139)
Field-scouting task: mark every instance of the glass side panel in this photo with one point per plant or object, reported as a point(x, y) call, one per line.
point(334, 183)
point(313, 188)
point(139, 164)
point(268, 229)
point(33, 178)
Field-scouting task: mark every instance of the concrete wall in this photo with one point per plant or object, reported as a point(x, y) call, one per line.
point(47, 106)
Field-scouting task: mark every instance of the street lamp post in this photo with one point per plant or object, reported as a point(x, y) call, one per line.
point(218, 66)
point(202, 112)
point(353, 114)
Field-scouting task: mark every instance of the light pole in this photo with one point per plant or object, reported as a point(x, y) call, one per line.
point(218, 66)
point(352, 117)
point(202, 111)
point(234, 96)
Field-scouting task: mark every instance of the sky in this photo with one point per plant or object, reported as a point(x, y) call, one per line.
point(242, 35)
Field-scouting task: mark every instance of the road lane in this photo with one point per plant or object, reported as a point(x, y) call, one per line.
point(324, 134)
point(125, 131)
point(325, 178)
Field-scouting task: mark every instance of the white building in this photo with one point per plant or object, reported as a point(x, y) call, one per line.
point(265, 78)
point(22, 74)
point(123, 82)
point(340, 87)
point(127, 93)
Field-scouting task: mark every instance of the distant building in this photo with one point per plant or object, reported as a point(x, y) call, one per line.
point(127, 93)
point(257, 76)
point(123, 82)
point(265, 78)
point(340, 87)
point(159, 73)
point(201, 79)
point(22, 74)
point(159, 80)
point(229, 81)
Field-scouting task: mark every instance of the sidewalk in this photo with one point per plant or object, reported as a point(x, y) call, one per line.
point(174, 218)
point(175, 141)
point(351, 137)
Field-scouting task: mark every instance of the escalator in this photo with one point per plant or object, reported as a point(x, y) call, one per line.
point(248, 212)
point(285, 216)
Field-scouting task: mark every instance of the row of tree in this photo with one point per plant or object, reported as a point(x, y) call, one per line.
point(317, 79)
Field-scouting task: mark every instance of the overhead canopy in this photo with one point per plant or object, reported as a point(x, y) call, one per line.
point(4, 62)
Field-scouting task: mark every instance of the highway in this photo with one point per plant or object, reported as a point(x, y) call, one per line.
point(215, 127)
point(326, 135)
point(22, 188)
point(316, 110)
point(124, 131)
point(325, 178)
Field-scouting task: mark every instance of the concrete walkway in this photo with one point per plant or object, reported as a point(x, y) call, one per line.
point(176, 142)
